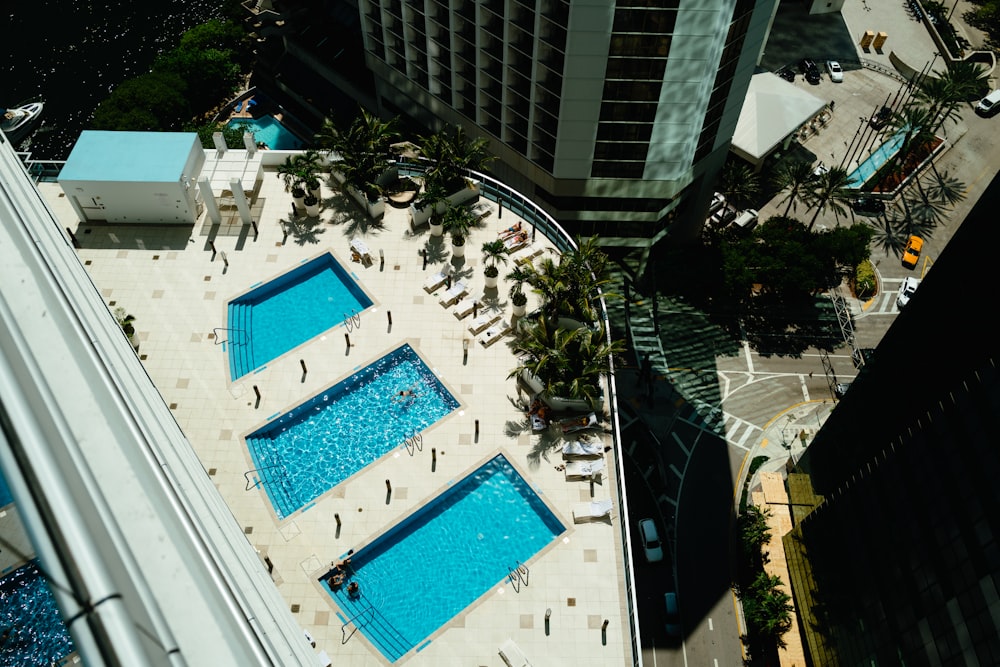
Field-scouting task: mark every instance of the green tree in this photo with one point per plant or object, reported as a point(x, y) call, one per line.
point(210, 74)
point(151, 102)
point(494, 252)
point(796, 180)
point(829, 190)
point(767, 608)
point(232, 135)
point(364, 149)
point(754, 532)
point(457, 221)
point(739, 184)
point(450, 152)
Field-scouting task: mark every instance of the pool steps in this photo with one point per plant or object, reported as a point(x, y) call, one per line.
point(380, 632)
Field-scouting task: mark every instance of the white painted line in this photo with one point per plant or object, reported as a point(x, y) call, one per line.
point(677, 472)
point(710, 626)
point(805, 389)
point(680, 443)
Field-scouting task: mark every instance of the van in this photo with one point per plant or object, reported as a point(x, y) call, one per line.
point(989, 105)
point(747, 220)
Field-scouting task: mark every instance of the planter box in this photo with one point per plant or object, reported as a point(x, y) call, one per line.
point(468, 194)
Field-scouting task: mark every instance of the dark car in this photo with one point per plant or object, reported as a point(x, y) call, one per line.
point(810, 71)
point(880, 118)
point(786, 73)
point(868, 205)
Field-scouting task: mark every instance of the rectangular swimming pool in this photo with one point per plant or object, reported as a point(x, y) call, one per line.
point(431, 566)
point(283, 313)
point(321, 442)
point(269, 130)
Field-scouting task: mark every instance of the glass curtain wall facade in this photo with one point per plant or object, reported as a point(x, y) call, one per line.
point(611, 113)
point(898, 561)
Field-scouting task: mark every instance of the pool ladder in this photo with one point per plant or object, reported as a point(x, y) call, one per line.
point(352, 321)
point(414, 442)
point(229, 332)
point(518, 576)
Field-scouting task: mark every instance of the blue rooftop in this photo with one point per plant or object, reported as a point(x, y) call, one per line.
point(129, 156)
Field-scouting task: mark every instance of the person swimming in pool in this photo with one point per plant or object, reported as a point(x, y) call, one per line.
point(353, 589)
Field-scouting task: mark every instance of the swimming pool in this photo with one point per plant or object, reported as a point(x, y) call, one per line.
point(269, 130)
point(329, 437)
point(431, 566)
point(31, 630)
point(280, 315)
point(875, 161)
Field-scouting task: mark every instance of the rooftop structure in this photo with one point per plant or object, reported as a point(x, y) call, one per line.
point(184, 493)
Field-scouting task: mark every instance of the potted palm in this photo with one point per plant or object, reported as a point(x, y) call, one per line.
point(518, 298)
point(457, 220)
point(494, 252)
point(125, 320)
point(312, 205)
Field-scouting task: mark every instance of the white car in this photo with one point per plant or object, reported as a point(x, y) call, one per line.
point(906, 290)
point(651, 544)
point(835, 70)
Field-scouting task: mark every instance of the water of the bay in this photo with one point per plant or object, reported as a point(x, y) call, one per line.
point(71, 53)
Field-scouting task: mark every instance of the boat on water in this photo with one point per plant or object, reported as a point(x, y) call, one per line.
point(17, 122)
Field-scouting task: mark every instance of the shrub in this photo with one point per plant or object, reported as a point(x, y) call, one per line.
point(864, 280)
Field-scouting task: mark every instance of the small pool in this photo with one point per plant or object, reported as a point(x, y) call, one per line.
point(431, 566)
point(875, 161)
point(31, 630)
point(283, 313)
point(269, 130)
point(326, 439)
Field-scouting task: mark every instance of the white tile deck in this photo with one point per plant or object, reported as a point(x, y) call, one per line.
point(166, 278)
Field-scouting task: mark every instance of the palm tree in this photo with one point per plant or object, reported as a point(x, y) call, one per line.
point(739, 184)
point(298, 170)
point(914, 123)
point(494, 252)
point(363, 148)
point(518, 276)
point(829, 190)
point(795, 177)
point(451, 152)
point(457, 221)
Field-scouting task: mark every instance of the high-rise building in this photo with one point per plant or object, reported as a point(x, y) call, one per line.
point(615, 116)
point(895, 555)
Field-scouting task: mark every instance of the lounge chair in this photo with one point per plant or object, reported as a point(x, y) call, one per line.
point(482, 322)
point(516, 242)
point(512, 655)
point(360, 248)
point(434, 282)
point(576, 470)
point(595, 510)
point(579, 423)
point(582, 450)
point(466, 306)
point(527, 254)
point(480, 210)
point(451, 297)
point(494, 333)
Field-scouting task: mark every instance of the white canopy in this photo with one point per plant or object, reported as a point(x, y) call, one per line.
point(772, 110)
point(241, 164)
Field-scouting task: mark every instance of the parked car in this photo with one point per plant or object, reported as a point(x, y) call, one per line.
point(813, 76)
point(841, 388)
point(820, 169)
point(805, 65)
point(868, 205)
point(786, 73)
point(651, 544)
point(989, 105)
point(673, 622)
point(722, 217)
point(880, 117)
point(911, 253)
point(835, 70)
point(747, 220)
point(906, 290)
point(718, 201)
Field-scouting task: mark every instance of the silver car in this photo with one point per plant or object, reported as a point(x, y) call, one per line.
point(835, 70)
point(906, 290)
point(651, 544)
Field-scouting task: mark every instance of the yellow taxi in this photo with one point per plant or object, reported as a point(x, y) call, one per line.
point(911, 253)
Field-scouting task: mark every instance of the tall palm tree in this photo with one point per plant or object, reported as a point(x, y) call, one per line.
point(830, 190)
point(364, 149)
point(797, 179)
point(450, 152)
point(914, 123)
point(457, 221)
point(739, 184)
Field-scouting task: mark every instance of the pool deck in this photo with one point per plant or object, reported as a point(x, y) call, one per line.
point(177, 289)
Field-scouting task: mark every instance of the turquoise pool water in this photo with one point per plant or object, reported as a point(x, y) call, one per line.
point(31, 630)
point(269, 130)
point(280, 315)
point(321, 442)
point(434, 564)
point(875, 161)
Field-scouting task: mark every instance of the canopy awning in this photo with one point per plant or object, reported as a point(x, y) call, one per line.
point(772, 110)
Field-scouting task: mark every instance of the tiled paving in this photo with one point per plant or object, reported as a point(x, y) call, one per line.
point(178, 288)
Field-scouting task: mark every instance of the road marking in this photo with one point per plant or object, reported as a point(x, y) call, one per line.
point(715, 661)
point(805, 389)
point(710, 628)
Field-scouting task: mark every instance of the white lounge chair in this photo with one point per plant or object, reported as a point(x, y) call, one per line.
point(527, 254)
point(576, 470)
point(434, 282)
point(512, 655)
point(578, 423)
point(480, 210)
point(582, 450)
point(466, 306)
point(516, 242)
point(451, 297)
point(494, 333)
point(595, 510)
point(482, 322)
point(361, 248)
